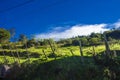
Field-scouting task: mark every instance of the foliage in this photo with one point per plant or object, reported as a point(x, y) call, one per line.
point(4, 35)
point(115, 34)
point(50, 62)
point(31, 43)
point(94, 41)
point(23, 38)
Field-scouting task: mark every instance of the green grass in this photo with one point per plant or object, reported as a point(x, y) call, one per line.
point(61, 52)
point(71, 67)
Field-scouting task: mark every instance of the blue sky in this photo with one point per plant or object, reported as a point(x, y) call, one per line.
point(59, 18)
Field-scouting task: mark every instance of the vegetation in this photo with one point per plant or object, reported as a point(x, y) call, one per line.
point(4, 35)
point(92, 57)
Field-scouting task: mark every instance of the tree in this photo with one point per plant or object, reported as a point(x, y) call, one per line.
point(31, 43)
point(113, 34)
point(84, 41)
point(95, 35)
point(23, 38)
point(75, 42)
point(4, 35)
point(94, 41)
point(68, 42)
point(45, 42)
point(12, 32)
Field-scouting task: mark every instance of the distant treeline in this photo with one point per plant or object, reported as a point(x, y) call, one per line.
point(92, 39)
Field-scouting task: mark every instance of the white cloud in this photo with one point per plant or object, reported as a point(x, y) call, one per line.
point(116, 25)
point(60, 32)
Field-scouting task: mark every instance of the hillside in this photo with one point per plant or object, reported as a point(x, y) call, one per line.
point(68, 59)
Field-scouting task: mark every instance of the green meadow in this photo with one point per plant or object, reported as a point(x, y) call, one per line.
point(93, 57)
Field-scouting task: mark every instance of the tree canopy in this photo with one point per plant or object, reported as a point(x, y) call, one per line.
point(4, 35)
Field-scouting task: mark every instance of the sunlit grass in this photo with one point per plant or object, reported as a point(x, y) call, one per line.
point(61, 52)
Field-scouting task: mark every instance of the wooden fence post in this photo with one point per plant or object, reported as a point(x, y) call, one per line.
point(94, 53)
point(81, 52)
point(108, 52)
point(114, 54)
point(12, 53)
point(53, 50)
point(72, 52)
point(27, 51)
point(45, 54)
point(15, 45)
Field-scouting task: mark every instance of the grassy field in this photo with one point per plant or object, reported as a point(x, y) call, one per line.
point(66, 66)
point(37, 53)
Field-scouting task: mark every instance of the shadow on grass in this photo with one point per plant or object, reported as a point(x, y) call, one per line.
point(70, 68)
point(66, 68)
